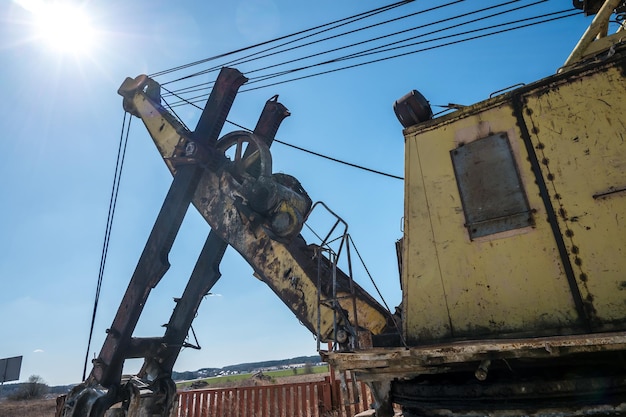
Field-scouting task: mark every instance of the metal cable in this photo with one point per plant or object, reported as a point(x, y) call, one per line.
point(242, 60)
point(202, 97)
point(378, 50)
point(373, 11)
point(330, 158)
point(378, 291)
point(257, 55)
point(403, 31)
point(399, 55)
point(119, 165)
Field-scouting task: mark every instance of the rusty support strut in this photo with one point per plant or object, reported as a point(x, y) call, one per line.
point(86, 400)
point(206, 271)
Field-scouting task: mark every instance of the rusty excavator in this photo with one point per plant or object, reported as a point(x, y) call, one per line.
point(512, 262)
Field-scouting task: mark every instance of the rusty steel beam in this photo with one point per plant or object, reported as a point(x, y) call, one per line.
point(205, 273)
point(153, 263)
point(287, 265)
point(217, 107)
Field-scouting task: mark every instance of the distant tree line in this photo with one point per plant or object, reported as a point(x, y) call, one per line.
point(245, 367)
point(35, 386)
point(33, 389)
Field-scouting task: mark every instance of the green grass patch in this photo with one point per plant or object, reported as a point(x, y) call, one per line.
point(296, 371)
point(230, 379)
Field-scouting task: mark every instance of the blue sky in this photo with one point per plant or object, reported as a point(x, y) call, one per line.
point(61, 120)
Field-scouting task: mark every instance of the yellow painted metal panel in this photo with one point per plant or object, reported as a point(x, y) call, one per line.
point(579, 129)
point(509, 283)
point(424, 301)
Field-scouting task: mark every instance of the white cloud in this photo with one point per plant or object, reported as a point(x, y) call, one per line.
point(38, 351)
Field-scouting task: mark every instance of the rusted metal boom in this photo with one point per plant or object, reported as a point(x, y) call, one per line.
point(205, 273)
point(153, 263)
point(159, 353)
point(248, 207)
point(260, 215)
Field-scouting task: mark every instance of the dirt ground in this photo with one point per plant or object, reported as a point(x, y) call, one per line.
point(33, 408)
point(47, 407)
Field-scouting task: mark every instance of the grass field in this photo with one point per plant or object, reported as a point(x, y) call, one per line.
point(30, 408)
point(234, 379)
point(46, 407)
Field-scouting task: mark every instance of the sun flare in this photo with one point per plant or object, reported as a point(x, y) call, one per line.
point(62, 26)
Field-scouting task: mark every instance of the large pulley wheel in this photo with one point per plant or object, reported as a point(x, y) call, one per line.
point(248, 154)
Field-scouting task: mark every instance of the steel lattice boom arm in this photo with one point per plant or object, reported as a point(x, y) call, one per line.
point(264, 230)
point(258, 213)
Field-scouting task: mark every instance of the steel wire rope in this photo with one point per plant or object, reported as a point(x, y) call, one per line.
point(404, 54)
point(206, 85)
point(117, 176)
point(243, 60)
point(356, 17)
point(330, 158)
point(377, 49)
point(171, 109)
point(196, 99)
point(373, 50)
point(404, 31)
point(188, 101)
point(478, 19)
point(367, 271)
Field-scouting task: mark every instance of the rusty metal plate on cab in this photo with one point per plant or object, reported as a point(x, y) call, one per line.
point(491, 191)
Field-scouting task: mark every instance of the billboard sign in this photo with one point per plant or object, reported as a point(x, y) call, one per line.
point(10, 369)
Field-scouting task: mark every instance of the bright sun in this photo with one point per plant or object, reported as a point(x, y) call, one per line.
point(63, 26)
